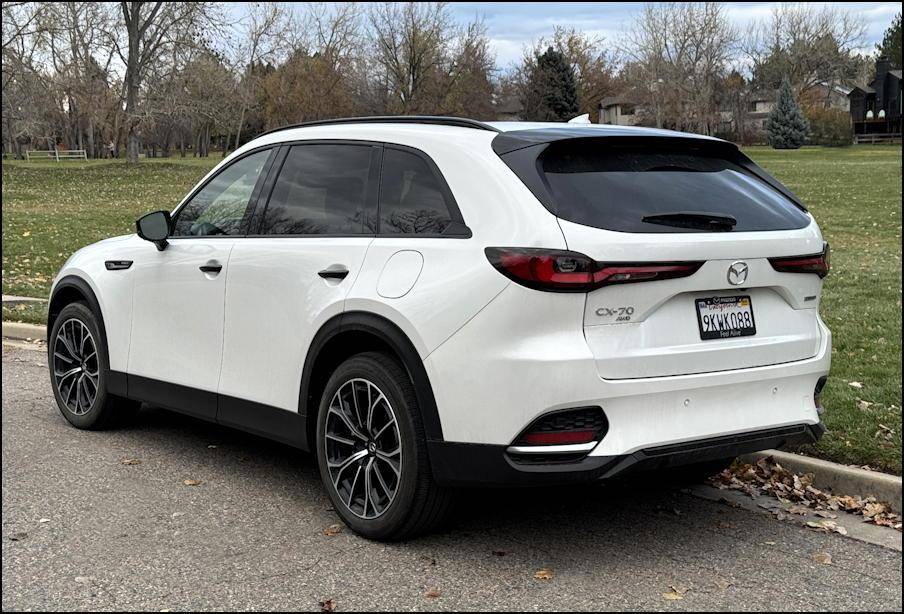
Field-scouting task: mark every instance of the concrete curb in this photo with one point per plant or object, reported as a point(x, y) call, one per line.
point(18, 330)
point(12, 301)
point(839, 479)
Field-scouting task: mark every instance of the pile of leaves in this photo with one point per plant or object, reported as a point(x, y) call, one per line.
point(797, 491)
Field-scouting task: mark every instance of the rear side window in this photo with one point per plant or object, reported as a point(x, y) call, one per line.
point(412, 199)
point(620, 188)
point(321, 189)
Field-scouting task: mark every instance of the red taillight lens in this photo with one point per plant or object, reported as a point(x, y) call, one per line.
point(817, 264)
point(556, 270)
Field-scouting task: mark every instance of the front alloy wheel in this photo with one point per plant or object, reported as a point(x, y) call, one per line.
point(363, 448)
point(76, 367)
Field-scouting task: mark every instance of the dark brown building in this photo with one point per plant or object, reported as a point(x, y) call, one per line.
point(876, 108)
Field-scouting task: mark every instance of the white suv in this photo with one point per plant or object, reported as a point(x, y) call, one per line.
point(430, 302)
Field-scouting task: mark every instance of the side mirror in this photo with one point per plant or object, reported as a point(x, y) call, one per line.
point(155, 227)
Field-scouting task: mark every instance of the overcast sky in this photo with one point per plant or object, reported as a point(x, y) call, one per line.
point(512, 25)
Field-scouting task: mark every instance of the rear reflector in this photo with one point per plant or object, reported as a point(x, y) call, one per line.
point(554, 270)
point(558, 439)
point(817, 264)
point(565, 427)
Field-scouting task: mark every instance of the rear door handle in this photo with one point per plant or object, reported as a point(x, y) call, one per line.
point(336, 273)
point(211, 268)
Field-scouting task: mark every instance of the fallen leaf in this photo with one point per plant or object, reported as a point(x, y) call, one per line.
point(543, 574)
point(674, 593)
point(192, 482)
point(333, 529)
point(433, 593)
point(722, 584)
point(327, 606)
point(17, 537)
point(823, 558)
point(857, 385)
point(130, 461)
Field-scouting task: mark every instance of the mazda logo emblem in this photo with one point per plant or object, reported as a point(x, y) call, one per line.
point(737, 273)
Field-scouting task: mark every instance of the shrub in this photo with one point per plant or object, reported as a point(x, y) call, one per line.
point(830, 127)
point(786, 126)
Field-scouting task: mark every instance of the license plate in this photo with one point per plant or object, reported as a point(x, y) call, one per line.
point(724, 317)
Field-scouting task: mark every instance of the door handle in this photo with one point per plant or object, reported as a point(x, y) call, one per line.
point(334, 273)
point(211, 268)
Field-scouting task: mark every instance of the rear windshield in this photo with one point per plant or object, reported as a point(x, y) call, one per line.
point(660, 191)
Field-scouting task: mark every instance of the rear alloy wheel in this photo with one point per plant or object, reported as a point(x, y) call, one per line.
point(363, 448)
point(372, 450)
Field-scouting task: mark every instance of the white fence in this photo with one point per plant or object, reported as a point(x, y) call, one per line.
point(56, 154)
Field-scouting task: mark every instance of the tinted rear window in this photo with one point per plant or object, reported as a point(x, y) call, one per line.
point(411, 197)
point(616, 189)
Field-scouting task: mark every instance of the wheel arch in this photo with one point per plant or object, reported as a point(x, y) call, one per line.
point(71, 289)
point(350, 333)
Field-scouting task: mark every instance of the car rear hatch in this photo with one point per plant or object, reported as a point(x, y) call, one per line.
point(714, 223)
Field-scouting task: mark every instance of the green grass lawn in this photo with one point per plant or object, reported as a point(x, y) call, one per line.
point(51, 209)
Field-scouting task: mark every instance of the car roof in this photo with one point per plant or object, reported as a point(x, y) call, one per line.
point(506, 136)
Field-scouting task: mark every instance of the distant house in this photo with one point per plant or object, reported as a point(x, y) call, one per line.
point(876, 108)
point(508, 107)
point(618, 111)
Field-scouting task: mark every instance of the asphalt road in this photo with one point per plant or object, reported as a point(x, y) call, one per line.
point(83, 531)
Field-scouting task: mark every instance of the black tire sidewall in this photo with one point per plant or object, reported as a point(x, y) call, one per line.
point(371, 366)
point(97, 415)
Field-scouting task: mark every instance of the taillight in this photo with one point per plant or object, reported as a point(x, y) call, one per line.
point(817, 264)
point(555, 270)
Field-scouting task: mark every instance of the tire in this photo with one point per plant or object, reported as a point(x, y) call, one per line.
point(76, 347)
point(390, 505)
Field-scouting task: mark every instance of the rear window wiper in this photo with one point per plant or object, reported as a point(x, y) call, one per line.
point(699, 220)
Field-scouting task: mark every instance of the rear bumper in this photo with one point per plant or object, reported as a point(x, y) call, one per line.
point(463, 464)
point(516, 361)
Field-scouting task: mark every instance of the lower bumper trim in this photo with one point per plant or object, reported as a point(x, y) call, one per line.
point(463, 464)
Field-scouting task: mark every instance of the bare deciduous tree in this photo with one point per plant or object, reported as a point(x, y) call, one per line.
point(151, 28)
point(678, 55)
point(810, 45)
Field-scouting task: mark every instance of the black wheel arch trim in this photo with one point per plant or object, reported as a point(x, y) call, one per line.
point(82, 287)
point(393, 336)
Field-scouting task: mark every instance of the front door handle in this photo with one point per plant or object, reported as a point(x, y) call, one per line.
point(211, 268)
point(334, 273)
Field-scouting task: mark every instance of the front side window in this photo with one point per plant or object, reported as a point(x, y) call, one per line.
point(321, 189)
point(411, 198)
point(220, 207)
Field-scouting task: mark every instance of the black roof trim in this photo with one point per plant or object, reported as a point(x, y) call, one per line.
point(439, 120)
point(506, 142)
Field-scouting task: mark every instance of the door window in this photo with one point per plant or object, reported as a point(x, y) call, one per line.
point(219, 208)
point(321, 190)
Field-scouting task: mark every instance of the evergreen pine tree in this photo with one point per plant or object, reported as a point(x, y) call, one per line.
point(786, 126)
point(551, 93)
